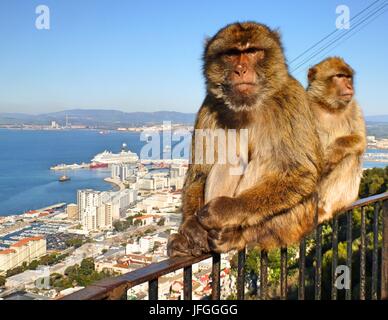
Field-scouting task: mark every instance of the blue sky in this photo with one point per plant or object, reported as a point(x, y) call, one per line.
point(146, 55)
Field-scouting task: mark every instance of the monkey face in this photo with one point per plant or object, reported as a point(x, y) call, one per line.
point(343, 84)
point(244, 63)
point(331, 81)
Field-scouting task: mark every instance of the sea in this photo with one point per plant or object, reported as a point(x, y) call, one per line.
point(26, 181)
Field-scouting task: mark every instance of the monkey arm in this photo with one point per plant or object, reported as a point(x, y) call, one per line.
point(342, 147)
point(192, 237)
point(292, 172)
point(276, 192)
point(193, 191)
point(194, 187)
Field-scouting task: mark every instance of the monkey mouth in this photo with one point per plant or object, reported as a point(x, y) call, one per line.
point(244, 87)
point(346, 97)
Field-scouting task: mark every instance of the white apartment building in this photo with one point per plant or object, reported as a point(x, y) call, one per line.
point(144, 245)
point(122, 171)
point(164, 201)
point(89, 218)
point(154, 182)
point(72, 211)
point(87, 198)
point(98, 210)
point(25, 250)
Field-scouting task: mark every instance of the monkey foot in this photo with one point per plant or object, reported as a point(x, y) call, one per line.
point(178, 246)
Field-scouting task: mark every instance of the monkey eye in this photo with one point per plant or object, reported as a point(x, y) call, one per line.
point(253, 50)
point(232, 53)
point(342, 75)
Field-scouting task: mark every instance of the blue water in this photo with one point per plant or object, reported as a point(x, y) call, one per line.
point(26, 181)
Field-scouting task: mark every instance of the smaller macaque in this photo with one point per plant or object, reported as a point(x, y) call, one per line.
point(341, 129)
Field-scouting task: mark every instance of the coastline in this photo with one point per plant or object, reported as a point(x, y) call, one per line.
point(116, 183)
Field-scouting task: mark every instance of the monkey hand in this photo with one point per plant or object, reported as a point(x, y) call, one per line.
point(333, 157)
point(190, 240)
point(226, 239)
point(219, 213)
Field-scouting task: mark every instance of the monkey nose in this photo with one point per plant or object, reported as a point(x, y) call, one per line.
point(240, 70)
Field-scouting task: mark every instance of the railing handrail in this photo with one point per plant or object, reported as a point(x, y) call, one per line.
point(112, 288)
point(100, 289)
point(365, 201)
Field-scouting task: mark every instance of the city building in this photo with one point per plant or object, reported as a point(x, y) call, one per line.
point(146, 220)
point(98, 210)
point(122, 171)
point(25, 250)
point(54, 125)
point(72, 211)
point(143, 245)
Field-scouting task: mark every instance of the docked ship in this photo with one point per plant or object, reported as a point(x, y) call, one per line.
point(97, 165)
point(107, 157)
point(73, 166)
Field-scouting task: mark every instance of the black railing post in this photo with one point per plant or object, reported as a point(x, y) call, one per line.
point(318, 262)
point(375, 257)
point(362, 255)
point(241, 275)
point(187, 283)
point(216, 270)
point(153, 289)
point(263, 274)
point(384, 258)
point(349, 241)
point(334, 259)
point(283, 273)
point(302, 263)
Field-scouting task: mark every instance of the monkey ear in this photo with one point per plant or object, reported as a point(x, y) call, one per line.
point(311, 74)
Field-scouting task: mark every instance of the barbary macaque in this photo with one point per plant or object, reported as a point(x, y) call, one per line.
point(272, 200)
point(341, 129)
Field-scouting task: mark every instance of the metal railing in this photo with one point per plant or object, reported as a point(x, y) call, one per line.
point(116, 288)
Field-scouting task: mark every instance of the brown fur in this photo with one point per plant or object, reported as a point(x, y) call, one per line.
point(285, 156)
point(341, 128)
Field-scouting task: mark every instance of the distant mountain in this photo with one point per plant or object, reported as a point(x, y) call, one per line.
point(99, 118)
point(114, 118)
point(380, 118)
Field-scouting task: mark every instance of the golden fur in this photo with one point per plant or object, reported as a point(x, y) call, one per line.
point(272, 202)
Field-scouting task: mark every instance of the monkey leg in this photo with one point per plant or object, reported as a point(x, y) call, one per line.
point(340, 188)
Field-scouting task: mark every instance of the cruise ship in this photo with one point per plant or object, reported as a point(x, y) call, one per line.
point(108, 157)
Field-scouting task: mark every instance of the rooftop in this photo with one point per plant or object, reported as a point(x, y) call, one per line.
point(7, 251)
point(24, 241)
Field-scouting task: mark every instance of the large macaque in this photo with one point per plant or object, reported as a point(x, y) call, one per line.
point(341, 128)
point(272, 201)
